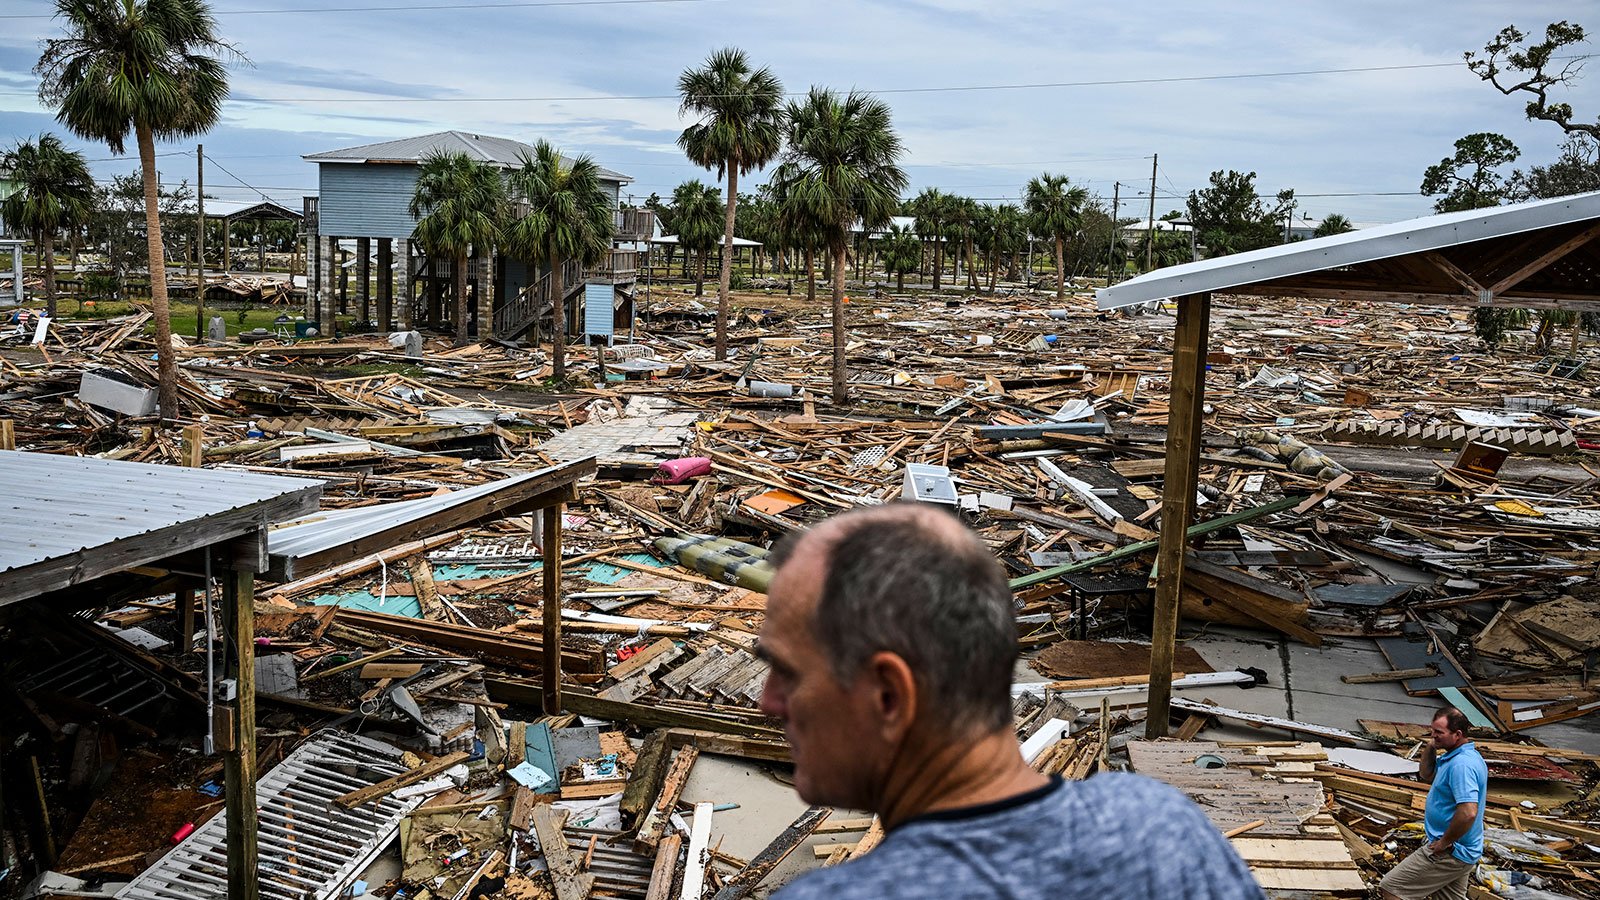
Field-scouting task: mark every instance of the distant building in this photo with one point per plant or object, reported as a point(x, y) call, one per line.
point(364, 195)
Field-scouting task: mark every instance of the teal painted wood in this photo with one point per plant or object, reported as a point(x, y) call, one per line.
point(541, 752)
point(1459, 700)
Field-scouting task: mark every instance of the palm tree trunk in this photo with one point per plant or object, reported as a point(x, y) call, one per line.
point(972, 273)
point(166, 363)
point(459, 281)
point(724, 277)
point(841, 393)
point(700, 276)
point(900, 281)
point(811, 276)
point(938, 260)
point(47, 245)
point(1061, 276)
point(558, 315)
point(994, 269)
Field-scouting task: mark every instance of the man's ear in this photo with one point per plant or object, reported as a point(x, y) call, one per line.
point(894, 693)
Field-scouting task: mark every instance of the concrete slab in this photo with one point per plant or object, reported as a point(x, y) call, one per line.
point(767, 804)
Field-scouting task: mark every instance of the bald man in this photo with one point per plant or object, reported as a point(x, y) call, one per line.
point(892, 638)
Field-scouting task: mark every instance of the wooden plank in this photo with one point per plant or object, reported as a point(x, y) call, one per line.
point(427, 592)
point(1178, 490)
point(745, 880)
point(570, 882)
point(390, 785)
point(665, 870)
point(643, 658)
point(1397, 675)
point(666, 803)
point(551, 578)
point(694, 870)
point(375, 671)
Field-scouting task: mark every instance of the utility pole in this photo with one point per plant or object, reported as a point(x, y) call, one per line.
point(1288, 220)
point(200, 245)
point(1150, 225)
point(1111, 252)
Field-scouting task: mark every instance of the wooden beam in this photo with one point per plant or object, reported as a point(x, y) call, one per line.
point(551, 576)
point(656, 820)
point(570, 882)
point(1421, 298)
point(8, 434)
point(239, 763)
point(1177, 499)
point(742, 883)
point(1542, 261)
point(1455, 273)
point(193, 447)
point(389, 785)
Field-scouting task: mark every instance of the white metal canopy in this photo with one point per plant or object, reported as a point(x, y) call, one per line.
point(1413, 237)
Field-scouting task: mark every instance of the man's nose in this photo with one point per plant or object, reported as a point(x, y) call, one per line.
point(771, 702)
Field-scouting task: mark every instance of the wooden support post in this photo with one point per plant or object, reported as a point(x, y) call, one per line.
point(194, 446)
point(364, 275)
point(1177, 499)
point(8, 434)
point(185, 602)
point(385, 283)
point(551, 554)
point(239, 764)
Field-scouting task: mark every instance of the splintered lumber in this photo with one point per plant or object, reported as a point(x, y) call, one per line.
point(656, 820)
point(427, 591)
point(1131, 550)
point(570, 882)
point(745, 880)
point(665, 870)
point(517, 690)
point(390, 785)
point(726, 745)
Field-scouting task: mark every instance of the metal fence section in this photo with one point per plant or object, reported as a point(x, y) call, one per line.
point(309, 848)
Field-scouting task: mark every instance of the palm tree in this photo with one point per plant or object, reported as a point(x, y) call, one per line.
point(740, 129)
point(697, 209)
point(459, 204)
point(931, 208)
point(1055, 210)
point(1000, 233)
point(564, 214)
point(55, 191)
point(842, 167)
point(1333, 224)
point(964, 216)
point(146, 66)
point(901, 252)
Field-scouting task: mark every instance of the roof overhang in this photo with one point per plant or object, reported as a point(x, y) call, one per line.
point(1540, 254)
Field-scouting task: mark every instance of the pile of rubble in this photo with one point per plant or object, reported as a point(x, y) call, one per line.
point(1377, 496)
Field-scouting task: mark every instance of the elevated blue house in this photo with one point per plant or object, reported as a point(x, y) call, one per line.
point(363, 204)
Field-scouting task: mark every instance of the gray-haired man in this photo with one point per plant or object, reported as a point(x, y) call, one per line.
point(891, 637)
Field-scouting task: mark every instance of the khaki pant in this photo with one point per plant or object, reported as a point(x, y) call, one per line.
point(1424, 877)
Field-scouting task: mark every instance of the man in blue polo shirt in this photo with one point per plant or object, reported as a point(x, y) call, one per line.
point(1453, 821)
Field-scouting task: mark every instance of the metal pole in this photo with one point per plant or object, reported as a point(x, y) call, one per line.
point(200, 245)
point(1150, 225)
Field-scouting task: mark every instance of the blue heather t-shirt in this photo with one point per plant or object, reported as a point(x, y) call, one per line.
point(1113, 836)
point(1460, 776)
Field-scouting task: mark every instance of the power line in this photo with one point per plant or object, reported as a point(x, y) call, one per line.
point(429, 7)
point(238, 179)
point(1174, 79)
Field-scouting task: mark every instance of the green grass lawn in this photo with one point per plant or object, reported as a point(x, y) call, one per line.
point(183, 318)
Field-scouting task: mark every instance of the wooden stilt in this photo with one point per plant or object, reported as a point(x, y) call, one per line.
point(193, 449)
point(239, 764)
point(8, 434)
point(1177, 499)
point(552, 608)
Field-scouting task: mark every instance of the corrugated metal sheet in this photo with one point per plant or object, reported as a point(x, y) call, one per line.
point(332, 529)
point(56, 506)
point(1351, 248)
point(486, 148)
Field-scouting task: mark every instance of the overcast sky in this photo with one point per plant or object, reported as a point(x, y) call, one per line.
point(600, 80)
